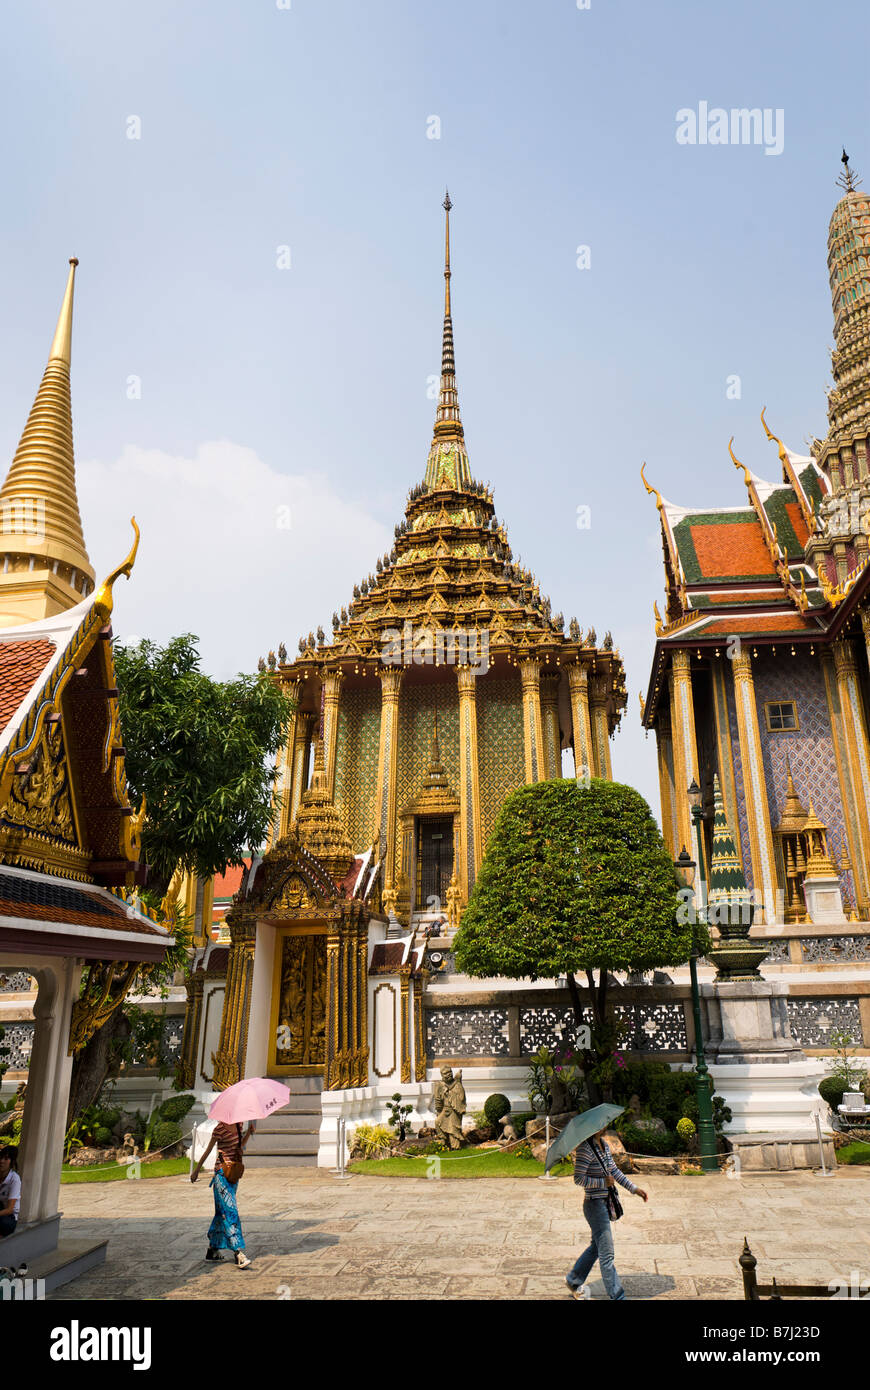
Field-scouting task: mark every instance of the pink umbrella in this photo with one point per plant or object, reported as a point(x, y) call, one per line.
point(251, 1099)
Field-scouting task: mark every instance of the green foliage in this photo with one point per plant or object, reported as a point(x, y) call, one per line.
point(399, 1115)
point(664, 1094)
point(519, 1121)
point(494, 1107)
point(372, 1140)
point(686, 1128)
point(846, 1070)
point(575, 878)
point(198, 751)
point(176, 1107)
point(546, 1068)
point(832, 1091)
point(164, 1134)
point(645, 1141)
point(102, 1136)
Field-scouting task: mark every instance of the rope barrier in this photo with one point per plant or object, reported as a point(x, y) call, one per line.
point(134, 1158)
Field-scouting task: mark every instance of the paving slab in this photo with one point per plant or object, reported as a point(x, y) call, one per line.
point(387, 1239)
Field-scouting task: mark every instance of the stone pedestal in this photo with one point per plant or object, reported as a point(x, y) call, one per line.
point(824, 900)
point(770, 1085)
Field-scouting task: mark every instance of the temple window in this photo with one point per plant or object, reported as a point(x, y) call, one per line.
point(781, 716)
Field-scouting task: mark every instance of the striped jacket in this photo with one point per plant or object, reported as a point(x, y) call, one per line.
point(588, 1173)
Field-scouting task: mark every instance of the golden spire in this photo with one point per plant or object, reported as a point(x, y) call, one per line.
point(45, 563)
point(448, 461)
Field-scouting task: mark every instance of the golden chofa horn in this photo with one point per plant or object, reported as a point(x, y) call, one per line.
point(103, 599)
point(747, 478)
point(649, 487)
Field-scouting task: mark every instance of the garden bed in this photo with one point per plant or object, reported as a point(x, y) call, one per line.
point(101, 1172)
point(466, 1163)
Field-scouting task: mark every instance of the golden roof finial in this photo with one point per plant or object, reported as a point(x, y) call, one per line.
point(104, 598)
point(447, 205)
point(653, 491)
point(38, 496)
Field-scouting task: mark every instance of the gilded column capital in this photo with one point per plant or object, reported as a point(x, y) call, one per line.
point(466, 680)
point(598, 690)
point(530, 672)
point(846, 655)
point(865, 621)
point(681, 662)
point(741, 666)
point(578, 677)
point(391, 681)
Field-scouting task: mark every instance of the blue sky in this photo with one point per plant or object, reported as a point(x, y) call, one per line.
point(261, 388)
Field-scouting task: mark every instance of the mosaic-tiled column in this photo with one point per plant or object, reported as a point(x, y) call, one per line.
point(755, 790)
point(533, 738)
point(332, 682)
point(550, 681)
point(665, 750)
point(857, 829)
point(855, 734)
point(332, 1071)
point(724, 753)
point(388, 754)
point(578, 684)
point(362, 954)
point(301, 747)
point(469, 782)
point(600, 727)
point(185, 1067)
point(684, 745)
point(282, 795)
point(229, 1060)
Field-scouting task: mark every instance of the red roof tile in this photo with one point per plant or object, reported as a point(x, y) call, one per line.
point(734, 548)
point(20, 664)
point(227, 884)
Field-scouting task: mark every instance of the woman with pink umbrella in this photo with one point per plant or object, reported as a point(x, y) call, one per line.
point(251, 1099)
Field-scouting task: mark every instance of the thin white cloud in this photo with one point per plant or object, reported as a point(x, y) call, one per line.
point(232, 550)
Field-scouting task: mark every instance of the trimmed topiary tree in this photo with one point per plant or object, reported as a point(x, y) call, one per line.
point(176, 1107)
point(165, 1134)
point(576, 878)
point(494, 1108)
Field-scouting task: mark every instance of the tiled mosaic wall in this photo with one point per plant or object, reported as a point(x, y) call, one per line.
point(501, 752)
point(356, 763)
point(809, 749)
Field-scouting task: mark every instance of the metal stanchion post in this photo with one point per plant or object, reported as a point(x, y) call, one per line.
point(546, 1177)
point(826, 1171)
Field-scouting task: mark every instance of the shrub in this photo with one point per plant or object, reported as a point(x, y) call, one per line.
point(165, 1134)
point(372, 1141)
point(520, 1121)
point(685, 1127)
point(102, 1136)
point(832, 1090)
point(494, 1108)
point(643, 1141)
point(176, 1107)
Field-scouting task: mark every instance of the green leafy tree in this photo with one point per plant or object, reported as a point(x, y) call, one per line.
point(576, 879)
point(200, 752)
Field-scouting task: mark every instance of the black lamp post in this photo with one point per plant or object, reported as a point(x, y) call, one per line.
point(686, 865)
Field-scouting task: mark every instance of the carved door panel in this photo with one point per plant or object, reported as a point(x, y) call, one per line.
point(300, 1034)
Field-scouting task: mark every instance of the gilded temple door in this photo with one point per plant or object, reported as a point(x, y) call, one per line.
point(299, 1002)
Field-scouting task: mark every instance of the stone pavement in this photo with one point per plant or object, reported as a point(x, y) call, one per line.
point(312, 1236)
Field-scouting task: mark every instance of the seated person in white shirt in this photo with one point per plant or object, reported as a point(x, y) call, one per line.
point(10, 1190)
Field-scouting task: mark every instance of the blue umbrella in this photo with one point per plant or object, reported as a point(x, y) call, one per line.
point(580, 1128)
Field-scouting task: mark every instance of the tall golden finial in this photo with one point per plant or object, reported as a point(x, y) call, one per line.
point(46, 567)
point(447, 205)
point(848, 179)
point(448, 462)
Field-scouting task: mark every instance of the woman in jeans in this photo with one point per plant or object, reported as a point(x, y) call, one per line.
point(596, 1172)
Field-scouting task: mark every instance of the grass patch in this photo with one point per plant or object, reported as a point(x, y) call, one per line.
point(467, 1163)
point(160, 1168)
point(856, 1152)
